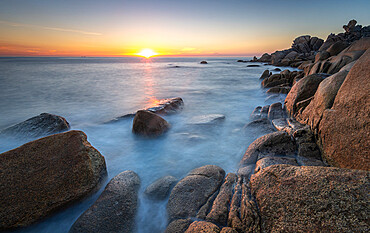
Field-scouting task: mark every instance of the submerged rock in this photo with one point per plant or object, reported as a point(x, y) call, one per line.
point(115, 209)
point(210, 119)
point(149, 124)
point(41, 125)
point(192, 192)
point(203, 62)
point(312, 199)
point(265, 74)
point(161, 188)
point(44, 175)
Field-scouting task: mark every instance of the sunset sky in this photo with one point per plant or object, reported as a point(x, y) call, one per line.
point(169, 27)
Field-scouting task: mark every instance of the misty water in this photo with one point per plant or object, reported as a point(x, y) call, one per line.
point(91, 91)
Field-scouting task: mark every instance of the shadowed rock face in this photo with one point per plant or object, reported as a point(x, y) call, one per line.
point(344, 129)
point(149, 124)
point(41, 125)
point(312, 199)
point(160, 189)
point(192, 192)
point(43, 175)
point(115, 209)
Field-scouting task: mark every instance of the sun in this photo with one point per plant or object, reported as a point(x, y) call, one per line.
point(147, 53)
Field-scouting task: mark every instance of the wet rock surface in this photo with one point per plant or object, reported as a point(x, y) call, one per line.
point(53, 172)
point(115, 209)
point(41, 125)
point(207, 120)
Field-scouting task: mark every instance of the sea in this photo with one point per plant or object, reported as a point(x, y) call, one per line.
point(90, 91)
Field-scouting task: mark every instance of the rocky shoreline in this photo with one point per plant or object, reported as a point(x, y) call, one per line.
point(308, 173)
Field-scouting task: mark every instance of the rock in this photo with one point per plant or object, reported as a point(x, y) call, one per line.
point(265, 58)
point(162, 107)
point(312, 199)
point(167, 106)
point(264, 111)
point(280, 124)
point(115, 209)
point(149, 124)
point(38, 126)
point(53, 172)
point(277, 143)
point(275, 80)
point(350, 26)
point(265, 74)
point(344, 129)
point(253, 65)
point(246, 171)
point(161, 188)
point(310, 150)
point(276, 111)
point(279, 90)
point(254, 59)
point(304, 161)
point(269, 161)
point(178, 226)
point(322, 55)
point(202, 227)
point(336, 48)
point(210, 119)
point(302, 90)
point(306, 44)
point(220, 208)
point(193, 191)
point(323, 99)
point(256, 114)
point(277, 69)
point(261, 125)
point(241, 61)
point(203, 62)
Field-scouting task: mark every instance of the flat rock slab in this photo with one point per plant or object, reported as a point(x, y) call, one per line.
point(210, 119)
point(43, 175)
point(38, 126)
point(193, 191)
point(312, 199)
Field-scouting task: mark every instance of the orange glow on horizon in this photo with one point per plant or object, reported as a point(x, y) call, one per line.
point(147, 53)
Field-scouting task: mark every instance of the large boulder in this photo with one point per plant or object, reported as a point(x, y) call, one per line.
point(44, 175)
point(192, 192)
point(277, 143)
point(312, 199)
point(41, 125)
point(115, 209)
point(344, 129)
point(161, 188)
point(336, 48)
point(302, 90)
point(149, 124)
point(265, 58)
point(323, 99)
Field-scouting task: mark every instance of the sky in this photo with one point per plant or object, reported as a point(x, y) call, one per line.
point(169, 27)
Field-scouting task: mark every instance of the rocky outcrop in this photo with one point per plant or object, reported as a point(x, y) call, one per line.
point(301, 93)
point(149, 124)
point(322, 100)
point(192, 192)
point(161, 188)
point(312, 199)
point(115, 209)
point(344, 129)
point(38, 126)
point(52, 171)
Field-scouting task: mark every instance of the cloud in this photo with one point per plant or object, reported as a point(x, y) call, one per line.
point(13, 24)
point(188, 49)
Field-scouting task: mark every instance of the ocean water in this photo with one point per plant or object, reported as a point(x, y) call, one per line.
point(91, 91)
